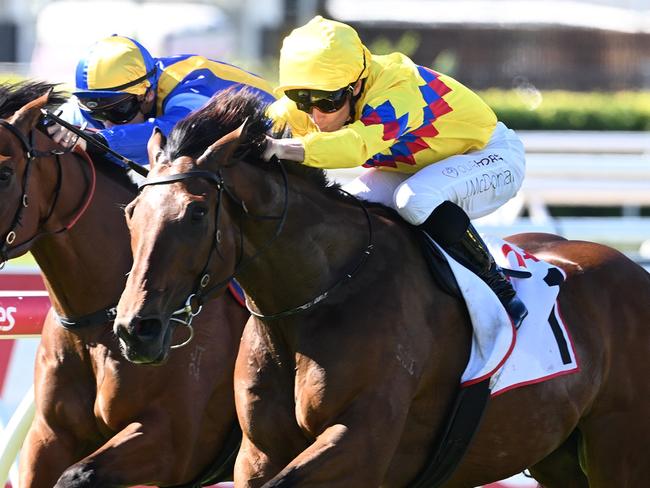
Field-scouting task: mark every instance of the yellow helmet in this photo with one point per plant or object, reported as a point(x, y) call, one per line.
point(322, 55)
point(115, 65)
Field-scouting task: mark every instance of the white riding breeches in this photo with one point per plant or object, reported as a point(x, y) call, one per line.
point(479, 182)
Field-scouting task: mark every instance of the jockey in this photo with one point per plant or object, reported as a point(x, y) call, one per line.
point(434, 150)
point(122, 92)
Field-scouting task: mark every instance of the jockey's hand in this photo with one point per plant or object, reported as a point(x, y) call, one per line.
point(65, 138)
point(291, 149)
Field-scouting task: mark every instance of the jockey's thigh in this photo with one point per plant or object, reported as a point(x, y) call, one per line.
point(375, 185)
point(479, 182)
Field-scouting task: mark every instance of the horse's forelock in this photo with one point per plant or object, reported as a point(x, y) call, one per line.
point(224, 113)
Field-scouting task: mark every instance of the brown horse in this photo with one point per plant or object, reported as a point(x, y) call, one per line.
point(349, 375)
point(101, 420)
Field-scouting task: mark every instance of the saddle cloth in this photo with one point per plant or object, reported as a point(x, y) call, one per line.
point(540, 349)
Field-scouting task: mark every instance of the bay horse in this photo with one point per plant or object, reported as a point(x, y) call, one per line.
point(101, 420)
point(347, 372)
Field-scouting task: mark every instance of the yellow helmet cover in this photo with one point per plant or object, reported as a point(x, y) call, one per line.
point(322, 55)
point(116, 64)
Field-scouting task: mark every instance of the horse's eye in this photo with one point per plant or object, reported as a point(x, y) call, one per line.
point(198, 213)
point(6, 174)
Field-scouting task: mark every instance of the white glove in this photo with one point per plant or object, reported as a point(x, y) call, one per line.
point(65, 138)
point(291, 149)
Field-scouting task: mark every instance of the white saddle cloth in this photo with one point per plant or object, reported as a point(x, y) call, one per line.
point(541, 349)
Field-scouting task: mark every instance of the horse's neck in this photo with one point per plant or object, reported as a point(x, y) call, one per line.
point(323, 240)
point(85, 267)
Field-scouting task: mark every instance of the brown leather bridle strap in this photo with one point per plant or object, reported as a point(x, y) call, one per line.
point(31, 155)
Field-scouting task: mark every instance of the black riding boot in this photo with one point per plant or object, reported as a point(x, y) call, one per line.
point(450, 227)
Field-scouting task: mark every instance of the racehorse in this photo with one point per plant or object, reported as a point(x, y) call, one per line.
point(101, 420)
point(347, 372)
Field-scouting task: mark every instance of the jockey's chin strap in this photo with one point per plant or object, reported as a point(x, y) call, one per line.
point(31, 154)
point(194, 302)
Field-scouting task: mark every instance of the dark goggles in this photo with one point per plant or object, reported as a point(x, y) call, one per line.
point(117, 110)
point(325, 101)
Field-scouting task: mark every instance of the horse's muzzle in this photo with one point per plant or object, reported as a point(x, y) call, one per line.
point(142, 339)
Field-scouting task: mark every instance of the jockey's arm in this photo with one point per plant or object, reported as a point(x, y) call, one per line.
point(378, 128)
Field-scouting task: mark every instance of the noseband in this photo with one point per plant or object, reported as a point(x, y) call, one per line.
point(31, 154)
point(194, 302)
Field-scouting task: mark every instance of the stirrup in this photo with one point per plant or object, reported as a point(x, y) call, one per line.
point(516, 310)
point(506, 294)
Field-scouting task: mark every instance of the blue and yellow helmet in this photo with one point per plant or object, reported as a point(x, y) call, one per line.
point(113, 66)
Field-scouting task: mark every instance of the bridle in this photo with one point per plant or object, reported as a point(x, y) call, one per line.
point(195, 300)
point(31, 154)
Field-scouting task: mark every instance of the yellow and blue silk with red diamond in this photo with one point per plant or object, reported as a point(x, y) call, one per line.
point(410, 117)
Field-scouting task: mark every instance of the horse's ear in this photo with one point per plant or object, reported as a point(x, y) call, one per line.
point(28, 116)
point(222, 150)
point(155, 145)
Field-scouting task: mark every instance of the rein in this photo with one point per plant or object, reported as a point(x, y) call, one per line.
point(365, 254)
point(201, 291)
point(31, 155)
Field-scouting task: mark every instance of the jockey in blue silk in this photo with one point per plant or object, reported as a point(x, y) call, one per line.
point(434, 151)
point(122, 92)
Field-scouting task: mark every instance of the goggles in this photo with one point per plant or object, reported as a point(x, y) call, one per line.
point(325, 101)
point(117, 110)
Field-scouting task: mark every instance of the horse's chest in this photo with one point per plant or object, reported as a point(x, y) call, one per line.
point(114, 398)
point(313, 400)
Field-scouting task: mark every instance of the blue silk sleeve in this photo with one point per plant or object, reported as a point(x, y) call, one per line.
point(131, 140)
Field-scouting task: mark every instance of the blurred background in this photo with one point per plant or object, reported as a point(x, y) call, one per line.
point(572, 77)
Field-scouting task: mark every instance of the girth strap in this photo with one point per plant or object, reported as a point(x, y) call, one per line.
point(465, 416)
point(463, 422)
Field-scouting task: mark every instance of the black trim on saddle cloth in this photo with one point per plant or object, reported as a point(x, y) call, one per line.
point(465, 416)
point(223, 467)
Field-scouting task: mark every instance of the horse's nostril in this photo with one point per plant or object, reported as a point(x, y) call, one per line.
point(147, 328)
point(120, 331)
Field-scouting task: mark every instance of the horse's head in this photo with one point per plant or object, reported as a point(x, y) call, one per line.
point(23, 199)
point(178, 225)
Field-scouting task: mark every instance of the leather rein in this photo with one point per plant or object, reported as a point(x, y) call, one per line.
point(31, 155)
point(195, 300)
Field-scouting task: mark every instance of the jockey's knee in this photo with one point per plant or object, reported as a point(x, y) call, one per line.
point(416, 206)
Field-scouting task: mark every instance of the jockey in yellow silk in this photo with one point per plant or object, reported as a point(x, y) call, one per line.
point(123, 92)
point(434, 151)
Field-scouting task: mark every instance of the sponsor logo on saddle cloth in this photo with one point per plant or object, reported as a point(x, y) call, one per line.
point(540, 349)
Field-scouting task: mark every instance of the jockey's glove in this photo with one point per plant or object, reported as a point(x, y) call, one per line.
point(290, 149)
point(69, 139)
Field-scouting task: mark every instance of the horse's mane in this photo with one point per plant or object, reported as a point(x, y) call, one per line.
point(14, 96)
point(224, 113)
